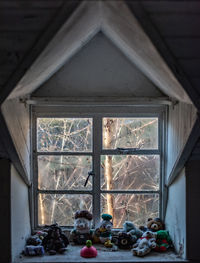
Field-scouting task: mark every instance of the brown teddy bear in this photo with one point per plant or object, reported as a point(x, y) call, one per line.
point(153, 224)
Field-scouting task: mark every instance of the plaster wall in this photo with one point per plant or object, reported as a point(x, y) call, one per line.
point(175, 219)
point(98, 69)
point(20, 218)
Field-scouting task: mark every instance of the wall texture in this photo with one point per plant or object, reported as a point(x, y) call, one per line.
point(17, 119)
point(20, 218)
point(175, 219)
point(181, 119)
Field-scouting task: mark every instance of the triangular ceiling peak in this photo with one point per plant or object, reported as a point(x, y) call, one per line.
point(116, 21)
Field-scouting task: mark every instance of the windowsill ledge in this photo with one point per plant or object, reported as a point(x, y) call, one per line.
point(72, 255)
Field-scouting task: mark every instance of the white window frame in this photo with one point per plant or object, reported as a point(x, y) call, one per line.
point(97, 113)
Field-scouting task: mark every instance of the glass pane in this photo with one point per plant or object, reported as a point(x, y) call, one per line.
point(60, 208)
point(130, 172)
point(64, 172)
point(139, 133)
point(64, 134)
point(132, 207)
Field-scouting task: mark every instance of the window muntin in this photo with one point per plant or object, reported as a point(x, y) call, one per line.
point(97, 151)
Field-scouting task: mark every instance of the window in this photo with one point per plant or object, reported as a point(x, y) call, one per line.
point(104, 160)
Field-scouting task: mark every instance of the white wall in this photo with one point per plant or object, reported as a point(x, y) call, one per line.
point(181, 119)
point(20, 218)
point(175, 219)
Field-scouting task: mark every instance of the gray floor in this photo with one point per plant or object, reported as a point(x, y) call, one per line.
point(73, 255)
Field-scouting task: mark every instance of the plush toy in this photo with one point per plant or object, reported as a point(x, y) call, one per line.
point(128, 236)
point(82, 227)
point(153, 225)
point(144, 244)
point(88, 251)
point(34, 250)
point(33, 241)
point(103, 232)
point(55, 241)
point(163, 241)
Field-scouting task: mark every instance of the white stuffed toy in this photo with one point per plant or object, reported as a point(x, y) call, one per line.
point(144, 244)
point(82, 227)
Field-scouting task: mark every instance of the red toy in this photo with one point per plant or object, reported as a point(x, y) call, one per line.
point(88, 251)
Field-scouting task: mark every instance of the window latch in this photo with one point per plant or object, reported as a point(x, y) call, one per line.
point(127, 150)
point(89, 174)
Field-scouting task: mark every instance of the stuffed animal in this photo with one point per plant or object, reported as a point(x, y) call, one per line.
point(55, 241)
point(153, 225)
point(103, 232)
point(128, 236)
point(82, 227)
point(163, 241)
point(32, 250)
point(144, 244)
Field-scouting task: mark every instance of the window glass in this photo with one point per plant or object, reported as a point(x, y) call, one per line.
point(141, 133)
point(130, 172)
point(64, 172)
point(60, 208)
point(130, 207)
point(64, 134)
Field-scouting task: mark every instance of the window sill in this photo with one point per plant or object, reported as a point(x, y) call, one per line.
point(72, 255)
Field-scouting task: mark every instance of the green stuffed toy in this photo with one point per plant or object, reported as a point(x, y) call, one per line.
point(163, 241)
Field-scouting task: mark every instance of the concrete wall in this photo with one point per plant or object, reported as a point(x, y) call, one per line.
point(175, 219)
point(20, 218)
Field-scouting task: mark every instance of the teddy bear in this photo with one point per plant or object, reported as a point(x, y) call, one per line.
point(153, 224)
point(103, 234)
point(82, 227)
point(55, 240)
point(128, 236)
point(163, 241)
point(145, 244)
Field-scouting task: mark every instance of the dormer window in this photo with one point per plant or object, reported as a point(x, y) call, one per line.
point(102, 162)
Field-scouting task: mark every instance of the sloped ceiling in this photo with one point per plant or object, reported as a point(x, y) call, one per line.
point(98, 69)
point(121, 28)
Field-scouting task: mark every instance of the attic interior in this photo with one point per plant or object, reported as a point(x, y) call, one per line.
point(83, 58)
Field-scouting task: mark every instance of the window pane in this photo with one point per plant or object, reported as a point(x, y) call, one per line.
point(130, 172)
point(55, 208)
point(64, 134)
point(130, 133)
point(64, 172)
point(132, 207)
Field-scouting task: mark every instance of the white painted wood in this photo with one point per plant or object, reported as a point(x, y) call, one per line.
point(17, 119)
point(121, 27)
point(181, 119)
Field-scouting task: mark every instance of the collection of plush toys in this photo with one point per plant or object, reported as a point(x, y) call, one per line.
point(141, 240)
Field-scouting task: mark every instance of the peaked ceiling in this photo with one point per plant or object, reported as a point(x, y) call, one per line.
point(121, 28)
point(26, 27)
point(98, 69)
